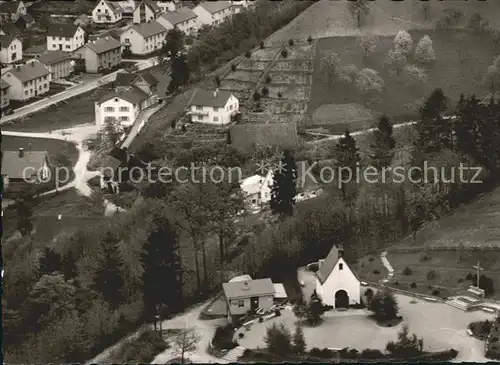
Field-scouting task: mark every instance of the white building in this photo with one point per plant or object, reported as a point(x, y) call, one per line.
point(107, 12)
point(166, 5)
point(213, 107)
point(133, 93)
point(28, 81)
point(257, 190)
point(144, 38)
point(12, 49)
point(65, 37)
point(336, 284)
point(183, 19)
point(214, 12)
point(4, 97)
point(147, 10)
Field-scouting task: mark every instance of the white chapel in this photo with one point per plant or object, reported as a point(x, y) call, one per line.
point(336, 284)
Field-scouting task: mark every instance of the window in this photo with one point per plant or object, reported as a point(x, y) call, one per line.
point(241, 303)
point(26, 92)
point(124, 108)
point(39, 87)
point(124, 118)
point(14, 56)
point(216, 109)
point(67, 46)
point(46, 86)
point(54, 46)
point(199, 108)
point(200, 117)
point(109, 109)
point(341, 266)
point(216, 119)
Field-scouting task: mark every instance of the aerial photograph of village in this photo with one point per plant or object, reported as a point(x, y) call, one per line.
point(250, 181)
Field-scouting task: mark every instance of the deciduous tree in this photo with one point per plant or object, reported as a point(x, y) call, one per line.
point(396, 60)
point(368, 43)
point(186, 341)
point(424, 52)
point(49, 262)
point(359, 9)
point(407, 346)
point(329, 66)
point(415, 75)
point(369, 83)
point(403, 42)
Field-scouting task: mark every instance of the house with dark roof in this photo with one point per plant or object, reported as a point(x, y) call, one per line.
point(182, 18)
point(248, 137)
point(147, 10)
point(336, 283)
point(247, 296)
point(12, 49)
point(4, 97)
point(28, 81)
point(12, 10)
point(107, 12)
point(65, 37)
point(144, 80)
point(213, 106)
point(22, 168)
point(100, 54)
point(58, 62)
point(9, 28)
point(144, 38)
point(118, 167)
point(214, 12)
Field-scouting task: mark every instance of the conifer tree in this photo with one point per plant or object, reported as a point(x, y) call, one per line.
point(284, 189)
point(69, 266)
point(347, 156)
point(299, 341)
point(383, 144)
point(49, 262)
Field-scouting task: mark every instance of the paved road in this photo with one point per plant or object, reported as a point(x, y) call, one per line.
point(70, 93)
point(141, 120)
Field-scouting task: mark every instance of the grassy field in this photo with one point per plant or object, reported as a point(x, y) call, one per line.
point(66, 114)
point(448, 72)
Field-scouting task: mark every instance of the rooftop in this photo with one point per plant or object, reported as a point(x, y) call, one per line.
point(247, 137)
point(152, 5)
point(4, 84)
point(10, 29)
point(215, 6)
point(132, 94)
point(149, 28)
point(52, 57)
point(102, 45)
point(9, 7)
point(67, 30)
point(14, 164)
point(128, 78)
point(213, 98)
point(28, 72)
point(250, 288)
point(178, 16)
point(6, 40)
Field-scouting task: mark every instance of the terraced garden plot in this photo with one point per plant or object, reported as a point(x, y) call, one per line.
point(266, 54)
point(236, 85)
point(290, 78)
point(293, 65)
point(301, 51)
point(288, 92)
point(282, 105)
point(243, 75)
point(251, 65)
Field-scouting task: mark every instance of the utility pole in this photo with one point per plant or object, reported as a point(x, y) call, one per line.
point(478, 270)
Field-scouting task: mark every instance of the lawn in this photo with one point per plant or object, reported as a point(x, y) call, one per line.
point(66, 114)
point(448, 72)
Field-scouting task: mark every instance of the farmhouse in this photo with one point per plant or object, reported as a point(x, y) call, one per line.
point(248, 137)
point(22, 168)
point(107, 12)
point(144, 38)
point(28, 81)
point(4, 99)
point(214, 12)
point(65, 37)
point(183, 19)
point(100, 54)
point(12, 49)
point(249, 295)
point(147, 10)
point(12, 10)
point(58, 62)
point(336, 284)
point(213, 107)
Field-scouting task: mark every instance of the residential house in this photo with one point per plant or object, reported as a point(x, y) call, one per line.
point(248, 296)
point(214, 12)
point(128, 8)
point(58, 62)
point(125, 103)
point(5, 99)
point(213, 107)
point(83, 21)
point(28, 81)
point(65, 37)
point(21, 169)
point(12, 10)
point(34, 51)
point(243, 4)
point(101, 54)
point(10, 28)
point(183, 19)
point(249, 136)
point(166, 6)
point(147, 10)
point(336, 283)
point(144, 38)
point(12, 49)
point(107, 12)
point(117, 169)
point(307, 185)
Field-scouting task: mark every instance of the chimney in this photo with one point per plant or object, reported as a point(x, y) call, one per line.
point(245, 286)
point(21, 152)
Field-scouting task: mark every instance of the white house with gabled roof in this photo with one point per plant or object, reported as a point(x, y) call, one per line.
point(213, 107)
point(145, 11)
point(107, 12)
point(336, 283)
point(183, 19)
point(144, 38)
point(214, 12)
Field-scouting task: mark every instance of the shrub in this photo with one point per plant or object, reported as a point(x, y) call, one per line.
point(431, 275)
point(233, 67)
point(425, 257)
point(290, 42)
point(299, 341)
point(309, 39)
point(261, 45)
point(268, 79)
point(280, 94)
point(396, 283)
point(241, 335)
point(265, 91)
point(413, 285)
point(284, 53)
point(429, 286)
point(461, 280)
point(376, 272)
point(256, 96)
point(469, 276)
point(322, 353)
point(261, 319)
point(248, 54)
point(223, 337)
point(407, 271)
point(371, 259)
point(371, 354)
point(436, 292)
point(384, 305)
point(369, 82)
point(277, 313)
point(278, 339)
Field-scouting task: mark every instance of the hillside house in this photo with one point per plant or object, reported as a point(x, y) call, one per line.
point(213, 107)
point(107, 12)
point(336, 284)
point(65, 37)
point(183, 19)
point(214, 12)
point(101, 54)
point(247, 137)
point(28, 81)
point(166, 6)
point(249, 295)
point(12, 49)
point(21, 169)
point(58, 62)
point(144, 38)
point(147, 10)
point(12, 10)
point(5, 99)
